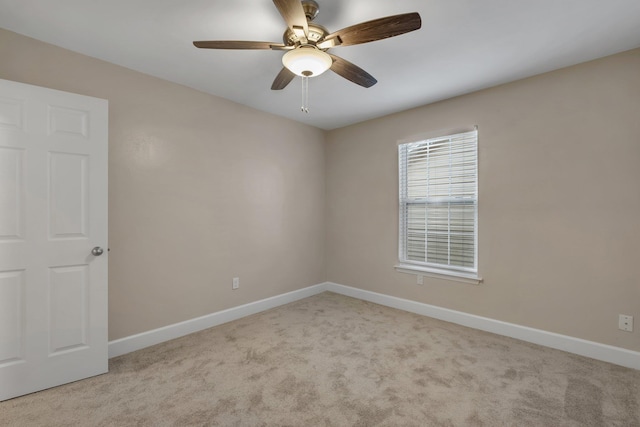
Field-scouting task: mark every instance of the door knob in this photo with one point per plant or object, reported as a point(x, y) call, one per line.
point(97, 251)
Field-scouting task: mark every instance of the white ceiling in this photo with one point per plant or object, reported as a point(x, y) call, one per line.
point(463, 46)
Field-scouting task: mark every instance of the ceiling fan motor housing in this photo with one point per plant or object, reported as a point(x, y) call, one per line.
point(316, 34)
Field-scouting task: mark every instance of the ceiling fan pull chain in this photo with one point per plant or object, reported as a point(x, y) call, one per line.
point(305, 94)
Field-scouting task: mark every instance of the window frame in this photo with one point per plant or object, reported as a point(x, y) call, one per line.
point(430, 269)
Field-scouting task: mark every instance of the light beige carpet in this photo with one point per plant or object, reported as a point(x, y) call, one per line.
point(330, 360)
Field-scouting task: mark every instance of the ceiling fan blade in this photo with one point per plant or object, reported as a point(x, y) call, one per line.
point(293, 14)
point(370, 31)
point(352, 72)
point(283, 78)
point(235, 44)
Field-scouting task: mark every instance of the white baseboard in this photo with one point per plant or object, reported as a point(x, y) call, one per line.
point(156, 336)
point(594, 350)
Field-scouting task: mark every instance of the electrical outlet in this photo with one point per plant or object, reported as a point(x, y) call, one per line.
point(236, 283)
point(420, 280)
point(625, 323)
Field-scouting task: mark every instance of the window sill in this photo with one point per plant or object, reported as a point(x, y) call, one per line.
point(457, 276)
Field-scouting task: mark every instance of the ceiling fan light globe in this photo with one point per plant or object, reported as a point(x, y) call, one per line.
point(307, 62)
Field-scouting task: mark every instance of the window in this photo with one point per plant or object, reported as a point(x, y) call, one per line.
point(439, 206)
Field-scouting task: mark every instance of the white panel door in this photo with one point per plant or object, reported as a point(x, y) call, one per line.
point(53, 212)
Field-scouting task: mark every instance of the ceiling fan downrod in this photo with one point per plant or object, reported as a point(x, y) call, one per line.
point(310, 8)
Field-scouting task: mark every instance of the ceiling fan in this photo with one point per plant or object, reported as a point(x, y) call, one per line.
point(307, 43)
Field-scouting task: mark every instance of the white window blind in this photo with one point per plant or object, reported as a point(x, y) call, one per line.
point(439, 202)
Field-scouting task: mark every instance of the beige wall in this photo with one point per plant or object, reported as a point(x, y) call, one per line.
point(201, 189)
point(559, 201)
